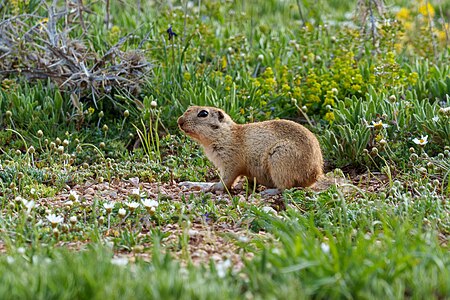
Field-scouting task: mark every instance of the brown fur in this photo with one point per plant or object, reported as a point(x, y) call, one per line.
point(278, 153)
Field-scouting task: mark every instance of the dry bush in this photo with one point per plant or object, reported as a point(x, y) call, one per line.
point(41, 47)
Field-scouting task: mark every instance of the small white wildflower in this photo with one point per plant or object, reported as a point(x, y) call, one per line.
point(243, 239)
point(108, 206)
point(132, 205)
point(153, 104)
point(29, 204)
point(119, 261)
point(73, 196)
point(222, 268)
point(21, 250)
point(69, 203)
point(56, 232)
point(10, 260)
point(122, 212)
point(325, 248)
point(73, 219)
point(19, 199)
point(135, 194)
point(150, 206)
point(445, 110)
point(54, 219)
point(148, 203)
point(435, 119)
point(378, 125)
point(422, 141)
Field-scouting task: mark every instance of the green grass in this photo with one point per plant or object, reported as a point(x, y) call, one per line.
point(107, 157)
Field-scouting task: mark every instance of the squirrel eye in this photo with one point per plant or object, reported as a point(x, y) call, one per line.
point(202, 114)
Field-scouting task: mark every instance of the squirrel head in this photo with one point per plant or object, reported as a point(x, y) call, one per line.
point(203, 123)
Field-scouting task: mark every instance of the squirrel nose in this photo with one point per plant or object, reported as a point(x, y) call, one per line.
point(180, 121)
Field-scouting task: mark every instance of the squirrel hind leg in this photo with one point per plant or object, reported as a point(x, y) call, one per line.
point(280, 166)
point(288, 168)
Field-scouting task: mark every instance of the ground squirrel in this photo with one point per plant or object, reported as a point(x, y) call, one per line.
point(278, 153)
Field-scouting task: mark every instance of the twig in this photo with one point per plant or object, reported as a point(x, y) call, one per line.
point(80, 14)
point(107, 14)
point(300, 12)
point(373, 28)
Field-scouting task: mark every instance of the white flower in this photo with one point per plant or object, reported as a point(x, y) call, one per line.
point(73, 196)
point(108, 206)
point(135, 194)
point(69, 203)
point(153, 104)
point(54, 219)
point(422, 141)
point(435, 119)
point(21, 250)
point(73, 219)
point(335, 91)
point(445, 110)
point(325, 248)
point(19, 199)
point(119, 261)
point(132, 205)
point(122, 212)
point(222, 267)
point(148, 203)
point(29, 204)
point(56, 232)
point(243, 239)
point(378, 125)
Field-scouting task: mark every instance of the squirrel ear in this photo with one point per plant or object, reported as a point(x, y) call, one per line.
point(221, 116)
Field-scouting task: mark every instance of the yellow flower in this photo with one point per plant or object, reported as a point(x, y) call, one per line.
point(329, 101)
point(91, 110)
point(408, 26)
point(378, 125)
point(187, 76)
point(403, 14)
point(426, 8)
point(297, 92)
point(441, 36)
point(285, 88)
point(224, 62)
point(314, 98)
point(115, 29)
point(329, 116)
